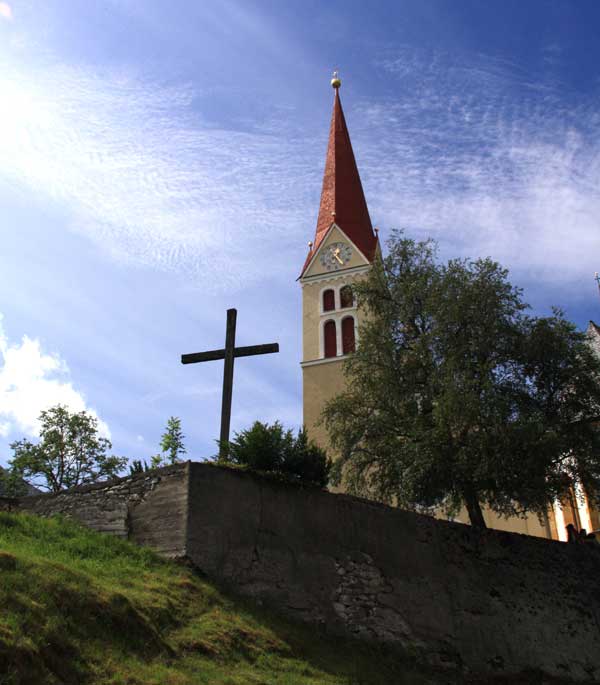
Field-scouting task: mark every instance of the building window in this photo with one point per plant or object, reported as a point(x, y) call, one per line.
point(330, 339)
point(348, 343)
point(328, 301)
point(346, 297)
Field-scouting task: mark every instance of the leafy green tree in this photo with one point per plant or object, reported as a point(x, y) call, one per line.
point(137, 466)
point(12, 483)
point(171, 445)
point(69, 452)
point(265, 447)
point(306, 461)
point(456, 396)
point(262, 447)
point(172, 440)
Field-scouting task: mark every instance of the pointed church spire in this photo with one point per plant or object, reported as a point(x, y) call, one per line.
point(342, 197)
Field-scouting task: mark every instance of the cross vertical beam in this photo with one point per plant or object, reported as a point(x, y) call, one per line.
point(228, 355)
point(227, 382)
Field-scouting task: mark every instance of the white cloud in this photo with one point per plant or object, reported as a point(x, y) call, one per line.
point(489, 160)
point(31, 381)
point(143, 176)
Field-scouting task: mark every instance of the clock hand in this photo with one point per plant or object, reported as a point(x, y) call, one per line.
point(336, 256)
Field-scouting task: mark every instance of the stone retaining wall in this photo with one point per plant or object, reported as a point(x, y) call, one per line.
point(490, 602)
point(148, 508)
point(8, 503)
point(487, 602)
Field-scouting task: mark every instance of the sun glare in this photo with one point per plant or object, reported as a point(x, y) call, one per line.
point(17, 109)
point(28, 127)
point(5, 11)
point(23, 111)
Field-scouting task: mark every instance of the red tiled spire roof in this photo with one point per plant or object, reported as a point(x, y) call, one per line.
point(342, 197)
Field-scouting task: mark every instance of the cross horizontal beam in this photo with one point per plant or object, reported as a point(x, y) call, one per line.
point(212, 355)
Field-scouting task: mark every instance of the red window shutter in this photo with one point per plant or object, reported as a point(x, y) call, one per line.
point(348, 343)
point(328, 300)
point(330, 339)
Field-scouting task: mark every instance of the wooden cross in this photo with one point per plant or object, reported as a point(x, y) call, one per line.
point(228, 354)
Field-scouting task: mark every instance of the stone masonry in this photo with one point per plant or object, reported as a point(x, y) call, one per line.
point(149, 508)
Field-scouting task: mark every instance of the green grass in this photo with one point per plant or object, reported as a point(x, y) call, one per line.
point(80, 607)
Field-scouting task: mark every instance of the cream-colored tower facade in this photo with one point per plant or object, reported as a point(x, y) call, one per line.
point(342, 251)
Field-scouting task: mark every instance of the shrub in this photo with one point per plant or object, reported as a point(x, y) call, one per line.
point(265, 447)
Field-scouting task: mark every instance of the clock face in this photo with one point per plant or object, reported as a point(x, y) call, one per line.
point(336, 256)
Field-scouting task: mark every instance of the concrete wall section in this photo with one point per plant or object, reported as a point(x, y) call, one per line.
point(149, 508)
point(491, 602)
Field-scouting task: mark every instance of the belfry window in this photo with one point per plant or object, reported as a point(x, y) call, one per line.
point(328, 301)
point(330, 339)
point(348, 341)
point(346, 297)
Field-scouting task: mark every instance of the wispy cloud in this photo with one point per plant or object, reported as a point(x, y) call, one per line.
point(145, 177)
point(485, 156)
point(32, 380)
point(488, 159)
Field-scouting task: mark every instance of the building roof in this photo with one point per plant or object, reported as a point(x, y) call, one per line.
point(342, 197)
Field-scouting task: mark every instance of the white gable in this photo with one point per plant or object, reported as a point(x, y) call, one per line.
point(334, 235)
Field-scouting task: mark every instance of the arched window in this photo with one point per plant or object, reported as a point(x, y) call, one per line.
point(346, 296)
point(330, 339)
point(348, 343)
point(328, 301)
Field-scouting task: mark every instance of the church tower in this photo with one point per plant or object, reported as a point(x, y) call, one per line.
point(342, 251)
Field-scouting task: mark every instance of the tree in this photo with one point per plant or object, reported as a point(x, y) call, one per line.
point(456, 396)
point(11, 483)
point(270, 448)
point(171, 444)
point(137, 466)
point(69, 452)
point(172, 440)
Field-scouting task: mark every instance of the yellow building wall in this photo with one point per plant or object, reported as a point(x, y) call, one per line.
point(311, 320)
point(325, 379)
point(514, 524)
point(321, 383)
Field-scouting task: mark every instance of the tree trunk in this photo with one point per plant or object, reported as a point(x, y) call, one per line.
point(474, 510)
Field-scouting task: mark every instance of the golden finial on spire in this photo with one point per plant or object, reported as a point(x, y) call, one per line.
point(335, 81)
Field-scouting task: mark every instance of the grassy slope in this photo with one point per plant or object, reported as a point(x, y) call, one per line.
point(80, 607)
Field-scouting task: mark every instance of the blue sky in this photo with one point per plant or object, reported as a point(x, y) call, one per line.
point(161, 162)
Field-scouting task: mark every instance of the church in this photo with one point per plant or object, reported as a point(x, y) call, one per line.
point(344, 247)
